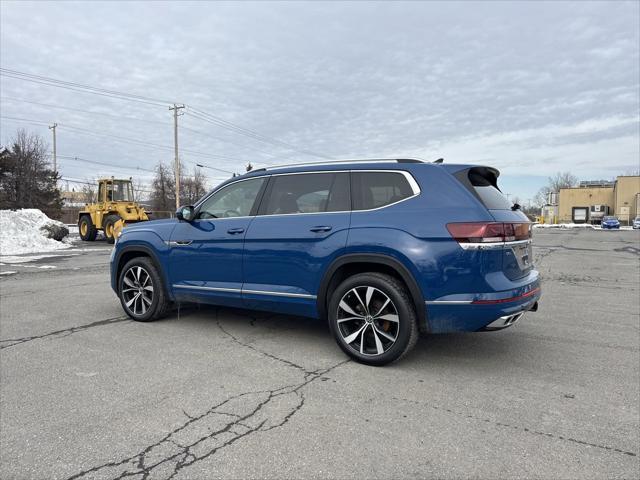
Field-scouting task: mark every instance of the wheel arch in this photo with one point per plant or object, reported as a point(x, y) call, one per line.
point(350, 264)
point(130, 252)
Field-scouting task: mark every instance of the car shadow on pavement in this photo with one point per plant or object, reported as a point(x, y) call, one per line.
point(485, 349)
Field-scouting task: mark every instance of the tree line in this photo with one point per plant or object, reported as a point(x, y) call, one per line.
point(26, 177)
point(27, 180)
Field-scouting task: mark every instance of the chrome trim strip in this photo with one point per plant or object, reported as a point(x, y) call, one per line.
point(279, 294)
point(238, 290)
point(415, 187)
point(180, 243)
point(209, 289)
point(492, 246)
point(448, 302)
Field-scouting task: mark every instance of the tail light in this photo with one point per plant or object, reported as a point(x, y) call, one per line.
point(489, 232)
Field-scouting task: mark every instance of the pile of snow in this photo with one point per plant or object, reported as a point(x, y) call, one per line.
point(27, 231)
point(575, 225)
point(563, 225)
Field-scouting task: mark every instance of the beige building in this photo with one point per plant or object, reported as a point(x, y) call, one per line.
point(592, 200)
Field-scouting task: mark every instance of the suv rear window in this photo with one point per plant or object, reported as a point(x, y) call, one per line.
point(483, 182)
point(378, 189)
point(307, 193)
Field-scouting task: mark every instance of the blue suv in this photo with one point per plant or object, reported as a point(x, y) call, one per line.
point(382, 249)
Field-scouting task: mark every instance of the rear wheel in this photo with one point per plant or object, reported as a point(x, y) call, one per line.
point(141, 290)
point(372, 318)
point(109, 224)
point(87, 229)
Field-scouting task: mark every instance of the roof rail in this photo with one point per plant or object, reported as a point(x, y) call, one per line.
point(334, 162)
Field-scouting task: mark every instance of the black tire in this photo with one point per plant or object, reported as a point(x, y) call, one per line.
point(142, 310)
point(377, 334)
point(86, 225)
point(109, 222)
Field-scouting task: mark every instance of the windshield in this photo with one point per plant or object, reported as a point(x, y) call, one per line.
point(610, 218)
point(120, 191)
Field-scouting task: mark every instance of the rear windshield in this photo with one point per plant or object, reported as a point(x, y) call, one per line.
point(483, 182)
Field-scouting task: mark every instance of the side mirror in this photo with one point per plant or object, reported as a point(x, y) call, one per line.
point(185, 213)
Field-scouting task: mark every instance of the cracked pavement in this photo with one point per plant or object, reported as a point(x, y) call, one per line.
point(220, 393)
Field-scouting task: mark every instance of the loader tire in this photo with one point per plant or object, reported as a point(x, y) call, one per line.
point(109, 222)
point(87, 229)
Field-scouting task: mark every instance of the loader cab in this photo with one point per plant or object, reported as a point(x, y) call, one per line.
point(112, 190)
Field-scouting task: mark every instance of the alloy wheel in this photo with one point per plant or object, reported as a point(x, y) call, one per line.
point(137, 290)
point(368, 321)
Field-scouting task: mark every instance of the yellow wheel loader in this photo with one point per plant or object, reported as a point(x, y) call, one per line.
point(113, 210)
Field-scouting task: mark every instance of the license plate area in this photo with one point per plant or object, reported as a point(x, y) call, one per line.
point(523, 255)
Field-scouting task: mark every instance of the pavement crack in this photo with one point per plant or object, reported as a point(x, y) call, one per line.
point(11, 342)
point(257, 350)
point(519, 428)
point(202, 436)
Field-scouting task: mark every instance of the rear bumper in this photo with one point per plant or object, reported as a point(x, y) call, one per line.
point(481, 312)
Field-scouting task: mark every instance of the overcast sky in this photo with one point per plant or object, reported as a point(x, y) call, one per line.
point(531, 88)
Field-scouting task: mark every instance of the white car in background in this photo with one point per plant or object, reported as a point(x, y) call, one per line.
point(636, 223)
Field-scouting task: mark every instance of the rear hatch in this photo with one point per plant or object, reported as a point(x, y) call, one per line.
point(511, 229)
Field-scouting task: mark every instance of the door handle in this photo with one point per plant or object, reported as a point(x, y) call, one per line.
point(321, 228)
point(234, 231)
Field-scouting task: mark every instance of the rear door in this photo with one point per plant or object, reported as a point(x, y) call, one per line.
point(302, 225)
point(517, 257)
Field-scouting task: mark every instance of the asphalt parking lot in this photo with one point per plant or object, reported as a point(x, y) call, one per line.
point(219, 393)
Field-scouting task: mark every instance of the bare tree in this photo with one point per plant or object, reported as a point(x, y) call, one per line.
point(140, 190)
point(555, 183)
point(163, 192)
point(163, 189)
point(193, 187)
point(90, 191)
point(26, 179)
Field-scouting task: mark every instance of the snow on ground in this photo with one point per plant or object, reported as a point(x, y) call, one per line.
point(575, 225)
point(13, 259)
point(20, 232)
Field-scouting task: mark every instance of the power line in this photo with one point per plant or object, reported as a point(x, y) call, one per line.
point(119, 117)
point(84, 182)
point(27, 120)
point(105, 164)
point(134, 141)
point(153, 101)
point(143, 120)
point(207, 117)
point(54, 82)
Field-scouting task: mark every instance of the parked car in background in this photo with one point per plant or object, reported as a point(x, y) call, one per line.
point(610, 222)
point(381, 249)
point(636, 223)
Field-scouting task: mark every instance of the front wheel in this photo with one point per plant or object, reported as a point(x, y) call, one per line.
point(109, 227)
point(87, 229)
point(141, 290)
point(372, 318)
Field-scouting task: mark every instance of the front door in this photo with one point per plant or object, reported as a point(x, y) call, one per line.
point(206, 253)
point(302, 226)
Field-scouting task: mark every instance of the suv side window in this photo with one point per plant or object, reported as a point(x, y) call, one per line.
point(307, 193)
point(234, 200)
point(377, 189)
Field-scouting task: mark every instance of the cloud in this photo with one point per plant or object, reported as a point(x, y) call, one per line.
point(530, 87)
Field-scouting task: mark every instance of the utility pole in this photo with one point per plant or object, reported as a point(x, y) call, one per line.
point(175, 109)
point(55, 160)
